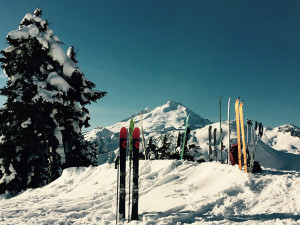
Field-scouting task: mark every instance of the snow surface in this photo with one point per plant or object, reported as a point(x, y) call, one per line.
point(171, 192)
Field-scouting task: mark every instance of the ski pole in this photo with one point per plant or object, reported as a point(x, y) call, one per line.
point(221, 142)
point(228, 153)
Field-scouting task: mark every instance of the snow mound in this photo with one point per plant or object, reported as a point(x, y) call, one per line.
point(171, 192)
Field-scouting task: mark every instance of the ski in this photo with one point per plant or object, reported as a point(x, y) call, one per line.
point(249, 137)
point(123, 148)
point(221, 138)
point(135, 192)
point(261, 130)
point(184, 137)
point(238, 132)
point(228, 153)
point(256, 135)
point(252, 146)
point(131, 127)
point(215, 144)
point(243, 136)
point(142, 131)
point(209, 144)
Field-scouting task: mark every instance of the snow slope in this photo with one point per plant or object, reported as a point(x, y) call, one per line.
point(171, 192)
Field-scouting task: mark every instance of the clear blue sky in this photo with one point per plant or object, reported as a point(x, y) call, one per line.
point(144, 53)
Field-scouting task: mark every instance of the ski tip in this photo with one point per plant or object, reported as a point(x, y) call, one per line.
point(123, 132)
point(136, 133)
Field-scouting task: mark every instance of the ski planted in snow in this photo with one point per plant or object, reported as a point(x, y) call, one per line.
point(249, 133)
point(251, 144)
point(228, 152)
point(184, 137)
point(261, 130)
point(255, 136)
point(215, 144)
point(135, 179)
point(221, 138)
point(142, 131)
point(131, 127)
point(123, 149)
point(209, 144)
point(243, 136)
point(238, 132)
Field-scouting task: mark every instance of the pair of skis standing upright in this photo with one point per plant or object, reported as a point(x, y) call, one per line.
point(133, 147)
point(241, 135)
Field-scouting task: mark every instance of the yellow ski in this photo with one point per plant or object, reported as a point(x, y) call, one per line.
point(243, 136)
point(238, 132)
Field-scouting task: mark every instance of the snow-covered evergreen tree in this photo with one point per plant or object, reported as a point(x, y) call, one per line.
point(41, 121)
point(151, 149)
point(164, 149)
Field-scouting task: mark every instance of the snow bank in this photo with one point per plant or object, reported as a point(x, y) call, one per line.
point(171, 192)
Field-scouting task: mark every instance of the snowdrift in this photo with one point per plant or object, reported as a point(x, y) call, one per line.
point(271, 158)
point(171, 192)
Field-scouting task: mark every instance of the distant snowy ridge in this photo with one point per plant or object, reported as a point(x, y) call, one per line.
point(283, 138)
point(276, 144)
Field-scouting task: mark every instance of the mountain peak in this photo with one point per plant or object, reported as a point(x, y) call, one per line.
point(290, 128)
point(170, 106)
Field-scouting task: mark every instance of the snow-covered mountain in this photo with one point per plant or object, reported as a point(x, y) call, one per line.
point(283, 138)
point(169, 117)
point(276, 144)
